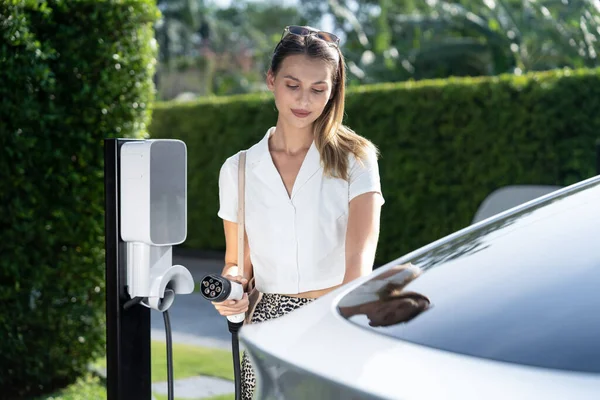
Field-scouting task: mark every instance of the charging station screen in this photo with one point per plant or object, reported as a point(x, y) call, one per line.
point(168, 192)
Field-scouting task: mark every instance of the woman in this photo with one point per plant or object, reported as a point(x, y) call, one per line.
point(312, 197)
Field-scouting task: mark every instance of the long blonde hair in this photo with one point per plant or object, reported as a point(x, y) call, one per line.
point(334, 140)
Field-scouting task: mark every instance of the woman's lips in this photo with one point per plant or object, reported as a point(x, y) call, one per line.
point(300, 113)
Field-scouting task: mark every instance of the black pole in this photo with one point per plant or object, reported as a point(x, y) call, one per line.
point(598, 157)
point(127, 331)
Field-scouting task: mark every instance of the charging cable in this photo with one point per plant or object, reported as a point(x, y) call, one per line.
point(167, 320)
point(218, 289)
point(169, 355)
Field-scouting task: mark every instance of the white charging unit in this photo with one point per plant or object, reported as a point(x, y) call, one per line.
point(153, 218)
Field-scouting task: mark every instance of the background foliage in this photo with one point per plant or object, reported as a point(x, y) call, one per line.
point(72, 74)
point(445, 144)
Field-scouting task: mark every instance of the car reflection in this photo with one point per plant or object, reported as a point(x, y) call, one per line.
point(383, 299)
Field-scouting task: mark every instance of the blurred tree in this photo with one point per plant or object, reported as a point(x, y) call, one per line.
point(255, 29)
point(508, 36)
point(383, 40)
point(180, 26)
point(392, 40)
point(229, 46)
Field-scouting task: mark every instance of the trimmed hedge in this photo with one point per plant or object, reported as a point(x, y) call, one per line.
point(445, 144)
point(73, 73)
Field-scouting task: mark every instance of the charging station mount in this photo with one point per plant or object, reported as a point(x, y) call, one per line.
point(145, 184)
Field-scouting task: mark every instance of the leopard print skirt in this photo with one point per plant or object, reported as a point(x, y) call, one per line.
point(269, 307)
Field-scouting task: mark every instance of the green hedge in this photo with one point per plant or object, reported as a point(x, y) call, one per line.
point(445, 144)
point(73, 72)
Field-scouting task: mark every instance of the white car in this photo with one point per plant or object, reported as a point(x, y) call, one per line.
point(507, 308)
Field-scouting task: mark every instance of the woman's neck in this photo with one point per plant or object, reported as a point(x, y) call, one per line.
point(291, 140)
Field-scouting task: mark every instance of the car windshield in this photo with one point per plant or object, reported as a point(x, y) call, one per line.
point(522, 289)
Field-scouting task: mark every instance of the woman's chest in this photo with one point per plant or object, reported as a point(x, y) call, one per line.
point(320, 197)
point(288, 168)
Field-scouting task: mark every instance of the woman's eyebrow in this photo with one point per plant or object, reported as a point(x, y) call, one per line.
point(298, 80)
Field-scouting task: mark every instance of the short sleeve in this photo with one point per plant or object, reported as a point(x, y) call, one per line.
point(364, 178)
point(228, 187)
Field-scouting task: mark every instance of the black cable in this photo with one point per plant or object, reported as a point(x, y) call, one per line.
point(130, 303)
point(237, 372)
point(234, 328)
point(137, 300)
point(169, 355)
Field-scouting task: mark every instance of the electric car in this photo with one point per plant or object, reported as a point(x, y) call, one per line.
point(507, 308)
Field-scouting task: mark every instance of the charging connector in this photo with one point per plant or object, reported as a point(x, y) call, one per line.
point(217, 288)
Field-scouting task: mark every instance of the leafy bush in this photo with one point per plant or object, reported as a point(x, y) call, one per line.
point(73, 73)
point(445, 144)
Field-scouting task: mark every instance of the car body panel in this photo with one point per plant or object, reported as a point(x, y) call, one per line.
point(523, 289)
point(317, 353)
point(329, 358)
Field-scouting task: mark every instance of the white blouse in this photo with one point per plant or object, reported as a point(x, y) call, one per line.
point(297, 242)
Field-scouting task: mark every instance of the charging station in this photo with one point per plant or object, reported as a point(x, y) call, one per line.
point(145, 184)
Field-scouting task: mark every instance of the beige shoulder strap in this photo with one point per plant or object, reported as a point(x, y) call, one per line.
point(241, 212)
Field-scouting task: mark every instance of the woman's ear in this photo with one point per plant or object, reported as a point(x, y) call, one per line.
point(270, 80)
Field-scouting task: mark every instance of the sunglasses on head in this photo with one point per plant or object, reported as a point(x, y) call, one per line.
point(305, 31)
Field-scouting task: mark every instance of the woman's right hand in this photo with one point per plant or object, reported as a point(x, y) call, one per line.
point(233, 307)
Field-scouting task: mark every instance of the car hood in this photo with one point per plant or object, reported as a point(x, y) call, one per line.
point(317, 340)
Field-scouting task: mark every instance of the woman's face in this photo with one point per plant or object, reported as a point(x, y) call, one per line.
point(302, 88)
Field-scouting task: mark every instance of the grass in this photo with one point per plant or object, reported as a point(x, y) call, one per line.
point(224, 397)
point(187, 361)
point(88, 387)
point(190, 361)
